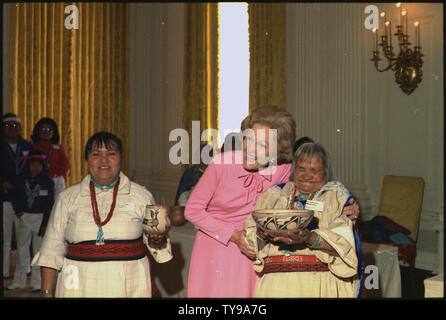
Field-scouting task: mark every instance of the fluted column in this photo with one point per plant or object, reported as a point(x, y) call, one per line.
point(156, 91)
point(326, 83)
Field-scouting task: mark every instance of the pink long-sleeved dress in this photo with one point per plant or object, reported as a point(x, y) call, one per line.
point(220, 203)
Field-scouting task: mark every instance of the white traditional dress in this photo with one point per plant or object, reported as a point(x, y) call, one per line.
point(338, 279)
point(71, 221)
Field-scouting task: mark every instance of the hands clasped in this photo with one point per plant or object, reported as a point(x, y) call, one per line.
point(287, 237)
point(238, 237)
point(156, 240)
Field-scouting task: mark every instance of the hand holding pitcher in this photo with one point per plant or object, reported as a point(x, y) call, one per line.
point(156, 224)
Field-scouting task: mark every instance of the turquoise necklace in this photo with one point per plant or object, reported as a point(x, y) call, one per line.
point(101, 187)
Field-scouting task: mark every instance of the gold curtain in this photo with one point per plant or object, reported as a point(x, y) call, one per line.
point(79, 77)
point(267, 46)
point(200, 100)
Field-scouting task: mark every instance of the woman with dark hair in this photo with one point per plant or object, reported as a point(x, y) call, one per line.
point(96, 231)
point(46, 138)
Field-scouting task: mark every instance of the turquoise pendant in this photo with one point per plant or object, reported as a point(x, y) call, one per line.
point(100, 237)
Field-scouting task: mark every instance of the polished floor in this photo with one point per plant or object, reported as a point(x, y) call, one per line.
point(19, 293)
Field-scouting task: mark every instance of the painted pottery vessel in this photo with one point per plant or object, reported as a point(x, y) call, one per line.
point(282, 219)
point(156, 219)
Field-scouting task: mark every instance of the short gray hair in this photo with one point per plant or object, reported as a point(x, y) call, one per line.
point(306, 152)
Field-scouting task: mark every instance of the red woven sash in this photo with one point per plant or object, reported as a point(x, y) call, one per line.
point(293, 263)
point(113, 250)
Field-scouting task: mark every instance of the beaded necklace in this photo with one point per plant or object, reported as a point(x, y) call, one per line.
point(97, 219)
point(300, 196)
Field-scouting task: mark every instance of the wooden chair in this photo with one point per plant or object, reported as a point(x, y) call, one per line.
point(401, 201)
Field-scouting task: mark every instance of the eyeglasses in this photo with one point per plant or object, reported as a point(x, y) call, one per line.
point(46, 129)
point(12, 125)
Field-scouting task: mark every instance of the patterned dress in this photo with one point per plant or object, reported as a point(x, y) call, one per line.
point(341, 279)
point(72, 221)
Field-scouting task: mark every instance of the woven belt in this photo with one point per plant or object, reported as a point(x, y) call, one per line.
point(293, 263)
point(112, 250)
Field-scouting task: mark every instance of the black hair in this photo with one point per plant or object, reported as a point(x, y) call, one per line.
point(102, 138)
point(9, 115)
point(44, 162)
point(300, 142)
point(36, 131)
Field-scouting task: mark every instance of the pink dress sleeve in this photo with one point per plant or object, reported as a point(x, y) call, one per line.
point(196, 208)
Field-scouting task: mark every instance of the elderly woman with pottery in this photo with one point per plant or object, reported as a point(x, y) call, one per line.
point(95, 234)
point(221, 264)
point(46, 138)
point(320, 260)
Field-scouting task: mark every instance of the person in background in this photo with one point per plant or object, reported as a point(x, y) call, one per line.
point(33, 198)
point(316, 262)
point(190, 178)
point(46, 138)
point(221, 264)
point(300, 142)
point(14, 147)
point(96, 229)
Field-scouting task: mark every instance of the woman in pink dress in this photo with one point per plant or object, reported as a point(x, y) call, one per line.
point(221, 264)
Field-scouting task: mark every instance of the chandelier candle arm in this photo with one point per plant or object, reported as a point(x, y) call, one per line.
point(407, 64)
point(417, 33)
point(404, 13)
point(376, 38)
point(398, 5)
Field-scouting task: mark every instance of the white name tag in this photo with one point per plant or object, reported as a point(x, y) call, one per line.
point(56, 146)
point(43, 193)
point(314, 205)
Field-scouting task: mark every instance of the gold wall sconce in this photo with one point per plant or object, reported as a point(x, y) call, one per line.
point(407, 64)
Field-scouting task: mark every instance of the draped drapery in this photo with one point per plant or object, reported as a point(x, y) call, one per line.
point(200, 100)
point(79, 77)
point(267, 45)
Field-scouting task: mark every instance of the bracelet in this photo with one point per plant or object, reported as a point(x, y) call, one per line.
point(316, 242)
point(46, 291)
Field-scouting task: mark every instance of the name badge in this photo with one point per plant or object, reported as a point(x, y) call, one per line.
point(314, 205)
point(43, 193)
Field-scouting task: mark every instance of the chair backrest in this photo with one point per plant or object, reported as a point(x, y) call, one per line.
point(401, 201)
